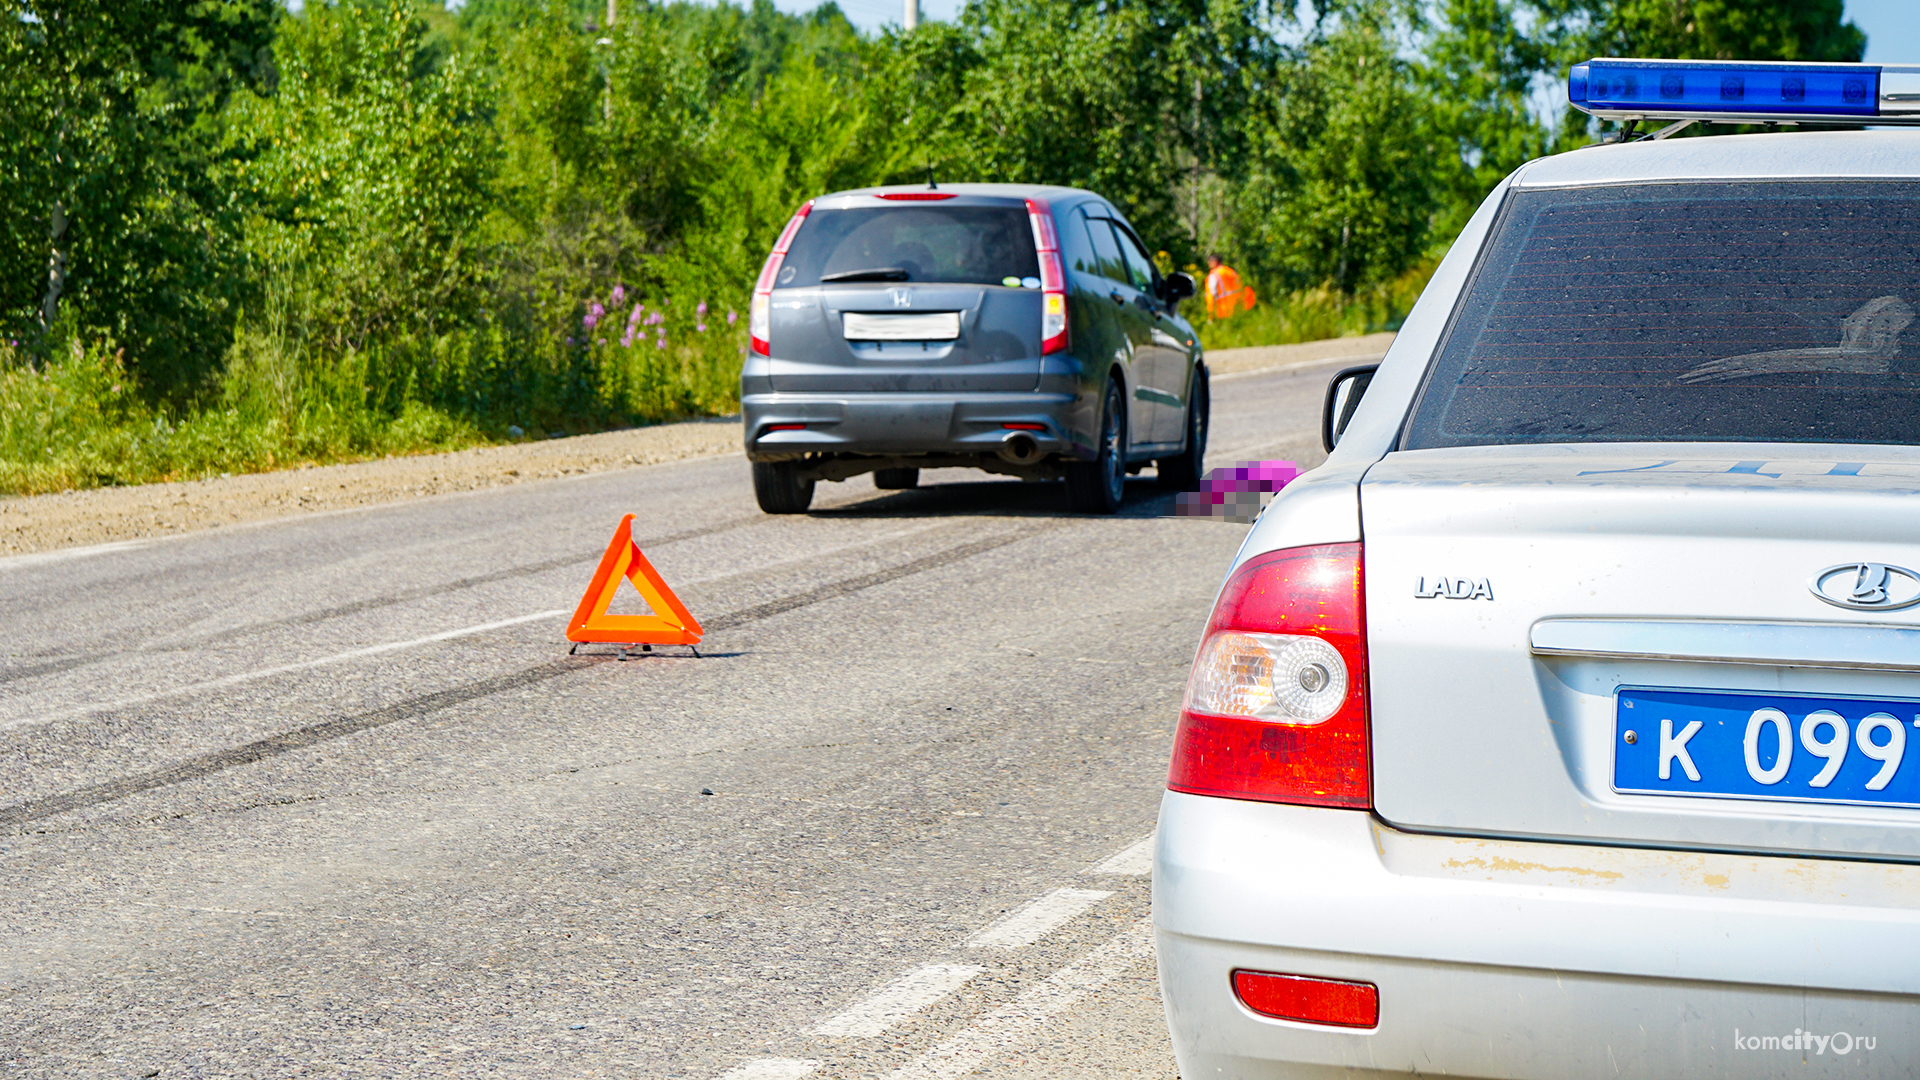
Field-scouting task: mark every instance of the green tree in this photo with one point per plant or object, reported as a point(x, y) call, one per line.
point(1487, 58)
point(1480, 75)
point(374, 174)
point(1717, 29)
point(1129, 98)
point(123, 200)
point(1348, 164)
point(810, 132)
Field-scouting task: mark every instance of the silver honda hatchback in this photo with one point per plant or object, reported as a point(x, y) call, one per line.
point(1013, 328)
point(1556, 726)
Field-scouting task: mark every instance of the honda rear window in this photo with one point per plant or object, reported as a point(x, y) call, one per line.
point(1739, 312)
point(975, 245)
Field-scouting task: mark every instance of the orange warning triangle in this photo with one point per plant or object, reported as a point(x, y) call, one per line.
point(671, 623)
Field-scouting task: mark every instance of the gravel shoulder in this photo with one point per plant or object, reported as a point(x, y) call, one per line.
point(39, 523)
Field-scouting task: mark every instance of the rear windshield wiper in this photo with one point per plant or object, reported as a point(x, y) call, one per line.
point(879, 273)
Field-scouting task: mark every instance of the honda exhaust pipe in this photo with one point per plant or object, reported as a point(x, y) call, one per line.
point(1020, 448)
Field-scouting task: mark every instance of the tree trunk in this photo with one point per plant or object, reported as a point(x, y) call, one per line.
point(56, 266)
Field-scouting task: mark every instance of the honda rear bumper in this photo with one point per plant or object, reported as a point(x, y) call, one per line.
point(787, 426)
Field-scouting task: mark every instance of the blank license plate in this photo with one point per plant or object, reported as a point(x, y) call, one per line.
point(926, 326)
point(1725, 744)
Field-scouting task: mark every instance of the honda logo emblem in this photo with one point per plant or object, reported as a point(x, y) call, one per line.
point(900, 297)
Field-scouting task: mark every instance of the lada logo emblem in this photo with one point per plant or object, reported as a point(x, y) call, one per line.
point(1453, 588)
point(1867, 586)
point(900, 297)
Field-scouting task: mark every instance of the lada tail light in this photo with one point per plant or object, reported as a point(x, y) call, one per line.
point(760, 312)
point(1276, 706)
point(1053, 279)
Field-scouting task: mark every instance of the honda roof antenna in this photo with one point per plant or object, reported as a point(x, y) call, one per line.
point(931, 186)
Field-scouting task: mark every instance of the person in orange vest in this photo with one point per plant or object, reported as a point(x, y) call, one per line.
point(1226, 293)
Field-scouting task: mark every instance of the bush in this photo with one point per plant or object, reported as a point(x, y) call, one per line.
point(80, 421)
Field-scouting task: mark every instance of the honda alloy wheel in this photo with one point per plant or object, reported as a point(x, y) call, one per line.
point(1098, 486)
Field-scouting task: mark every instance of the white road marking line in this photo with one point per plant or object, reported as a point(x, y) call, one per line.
point(898, 1000)
point(1032, 922)
point(1008, 1028)
point(42, 558)
point(283, 669)
point(1136, 859)
point(771, 1069)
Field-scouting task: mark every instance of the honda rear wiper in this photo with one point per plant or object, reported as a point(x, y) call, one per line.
point(880, 273)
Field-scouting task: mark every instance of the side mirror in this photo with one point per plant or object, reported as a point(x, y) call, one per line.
point(1343, 396)
point(1176, 287)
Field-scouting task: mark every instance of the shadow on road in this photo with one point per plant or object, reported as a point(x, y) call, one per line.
point(1011, 498)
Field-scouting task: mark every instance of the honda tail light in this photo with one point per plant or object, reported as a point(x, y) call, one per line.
point(1276, 705)
point(760, 311)
point(1053, 279)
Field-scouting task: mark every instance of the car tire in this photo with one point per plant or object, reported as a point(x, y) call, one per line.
point(1183, 473)
point(780, 489)
point(896, 479)
point(1099, 486)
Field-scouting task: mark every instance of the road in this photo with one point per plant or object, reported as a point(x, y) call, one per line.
point(327, 796)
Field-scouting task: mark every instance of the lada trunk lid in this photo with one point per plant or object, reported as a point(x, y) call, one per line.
point(1546, 623)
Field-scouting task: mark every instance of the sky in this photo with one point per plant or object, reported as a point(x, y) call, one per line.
point(1893, 34)
point(1893, 31)
point(872, 14)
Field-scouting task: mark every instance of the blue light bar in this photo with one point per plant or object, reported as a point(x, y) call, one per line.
point(1744, 91)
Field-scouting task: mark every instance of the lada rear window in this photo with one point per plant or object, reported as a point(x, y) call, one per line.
point(1741, 312)
point(975, 245)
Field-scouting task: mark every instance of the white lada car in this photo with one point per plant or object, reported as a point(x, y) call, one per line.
point(1566, 722)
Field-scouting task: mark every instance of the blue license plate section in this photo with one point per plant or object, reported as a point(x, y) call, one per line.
point(1722, 745)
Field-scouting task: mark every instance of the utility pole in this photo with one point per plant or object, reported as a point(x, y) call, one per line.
point(1197, 143)
point(606, 69)
point(913, 14)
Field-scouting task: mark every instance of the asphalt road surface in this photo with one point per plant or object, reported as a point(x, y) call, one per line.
point(327, 796)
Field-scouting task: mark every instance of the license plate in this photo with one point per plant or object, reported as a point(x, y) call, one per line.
point(928, 326)
point(1731, 745)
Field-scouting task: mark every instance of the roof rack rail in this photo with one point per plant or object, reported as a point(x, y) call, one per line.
point(1746, 92)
